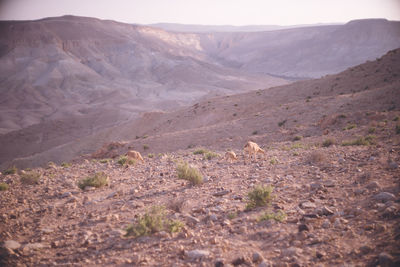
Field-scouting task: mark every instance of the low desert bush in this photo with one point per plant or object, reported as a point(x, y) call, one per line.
point(398, 129)
point(99, 179)
point(145, 147)
point(150, 156)
point(273, 161)
point(360, 141)
point(317, 157)
point(66, 165)
point(30, 177)
point(124, 160)
point(349, 127)
point(371, 130)
point(3, 187)
point(260, 196)
point(105, 160)
point(191, 174)
point(279, 216)
point(11, 170)
point(281, 123)
point(200, 151)
point(210, 155)
point(153, 221)
point(297, 138)
point(328, 142)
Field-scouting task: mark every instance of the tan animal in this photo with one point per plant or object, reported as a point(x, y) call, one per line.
point(252, 148)
point(231, 156)
point(134, 155)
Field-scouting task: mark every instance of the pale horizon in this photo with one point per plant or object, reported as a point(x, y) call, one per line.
point(207, 12)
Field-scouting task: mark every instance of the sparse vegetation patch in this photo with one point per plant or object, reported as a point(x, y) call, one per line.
point(11, 170)
point(191, 174)
point(3, 186)
point(124, 160)
point(279, 216)
point(360, 141)
point(349, 126)
point(99, 179)
point(30, 178)
point(328, 142)
point(152, 222)
point(260, 196)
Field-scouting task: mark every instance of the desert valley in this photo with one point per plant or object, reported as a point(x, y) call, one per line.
point(78, 93)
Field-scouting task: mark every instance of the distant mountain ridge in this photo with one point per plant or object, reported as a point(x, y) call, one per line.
point(197, 28)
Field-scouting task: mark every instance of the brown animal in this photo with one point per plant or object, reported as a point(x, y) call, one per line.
point(252, 148)
point(134, 155)
point(231, 156)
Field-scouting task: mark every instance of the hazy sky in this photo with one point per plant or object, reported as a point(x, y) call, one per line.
point(216, 12)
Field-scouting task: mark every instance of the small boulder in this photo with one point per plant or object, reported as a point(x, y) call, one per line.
point(197, 254)
point(11, 244)
point(384, 196)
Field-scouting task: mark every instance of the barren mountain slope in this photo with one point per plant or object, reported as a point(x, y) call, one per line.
point(56, 67)
point(304, 108)
point(305, 52)
point(307, 108)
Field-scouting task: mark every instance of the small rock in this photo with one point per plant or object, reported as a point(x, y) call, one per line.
point(373, 185)
point(337, 223)
point(316, 186)
point(320, 254)
point(326, 224)
point(72, 200)
point(33, 246)
point(11, 244)
point(47, 230)
point(324, 211)
point(329, 183)
point(256, 257)
point(213, 217)
point(290, 252)
point(385, 260)
point(219, 263)
point(265, 264)
point(239, 261)
point(390, 211)
point(308, 205)
point(303, 227)
point(221, 193)
point(393, 165)
point(365, 250)
point(113, 194)
point(66, 194)
point(192, 220)
point(197, 254)
point(384, 196)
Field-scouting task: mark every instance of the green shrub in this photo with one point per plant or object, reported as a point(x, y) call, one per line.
point(232, 215)
point(200, 151)
point(297, 146)
point(396, 118)
point(273, 161)
point(297, 138)
point(279, 216)
point(3, 187)
point(153, 221)
point(145, 147)
point(125, 160)
point(259, 196)
point(328, 142)
point(360, 141)
point(350, 126)
point(66, 165)
point(99, 179)
point(11, 170)
point(189, 173)
point(371, 130)
point(145, 136)
point(30, 177)
point(210, 155)
point(150, 156)
point(105, 160)
point(254, 132)
point(398, 129)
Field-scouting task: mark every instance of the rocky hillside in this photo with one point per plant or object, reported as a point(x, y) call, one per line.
point(333, 202)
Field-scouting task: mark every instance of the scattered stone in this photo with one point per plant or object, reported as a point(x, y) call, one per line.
point(320, 254)
point(11, 244)
point(365, 250)
point(393, 165)
point(66, 194)
point(384, 196)
point(337, 223)
point(33, 246)
point(213, 217)
point(256, 257)
point(197, 254)
point(385, 260)
point(47, 230)
point(324, 211)
point(239, 261)
point(219, 263)
point(390, 211)
point(373, 185)
point(308, 205)
point(316, 186)
point(192, 220)
point(290, 252)
point(303, 227)
point(326, 224)
point(221, 193)
point(265, 264)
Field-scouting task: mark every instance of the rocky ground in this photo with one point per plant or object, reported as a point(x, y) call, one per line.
point(341, 205)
